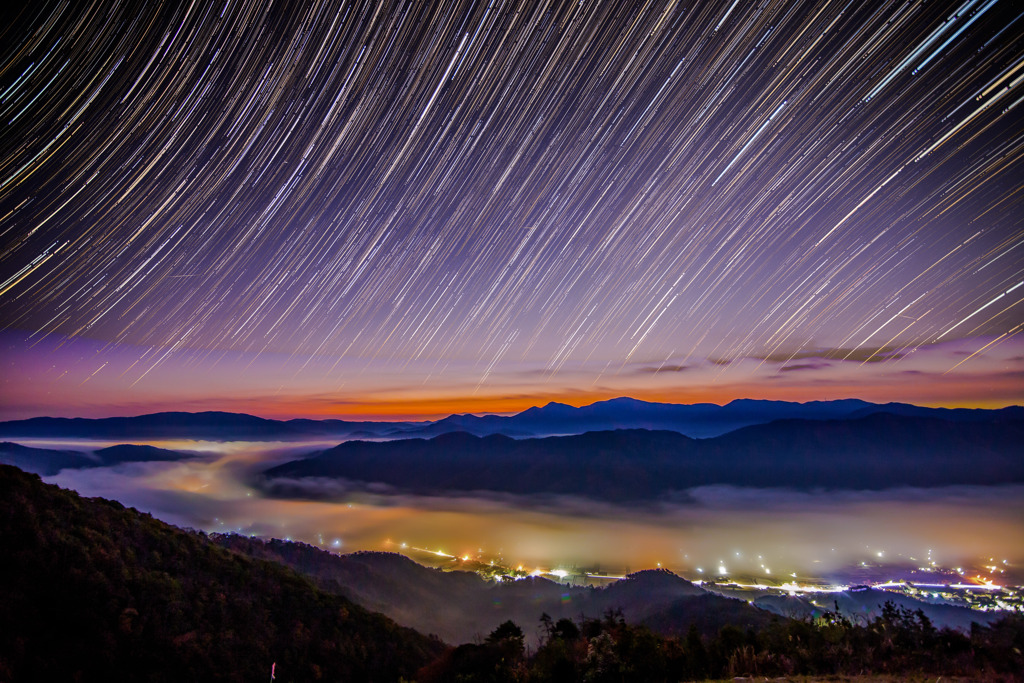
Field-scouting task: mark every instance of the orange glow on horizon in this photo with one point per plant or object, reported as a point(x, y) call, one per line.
point(416, 407)
point(51, 381)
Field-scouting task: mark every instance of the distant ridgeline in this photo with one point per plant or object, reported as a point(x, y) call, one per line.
point(877, 451)
point(92, 591)
point(700, 420)
point(47, 461)
point(620, 450)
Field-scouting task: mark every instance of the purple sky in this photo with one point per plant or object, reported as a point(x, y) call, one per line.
point(445, 207)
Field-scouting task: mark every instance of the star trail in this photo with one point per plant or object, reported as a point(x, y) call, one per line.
point(497, 201)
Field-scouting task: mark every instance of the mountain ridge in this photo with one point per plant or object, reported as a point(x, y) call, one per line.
point(874, 452)
point(699, 420)
point(48, 461)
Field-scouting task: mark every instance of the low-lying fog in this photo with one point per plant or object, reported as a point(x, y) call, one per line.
point(754, 532)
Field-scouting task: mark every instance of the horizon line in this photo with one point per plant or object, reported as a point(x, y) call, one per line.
point(427, 418)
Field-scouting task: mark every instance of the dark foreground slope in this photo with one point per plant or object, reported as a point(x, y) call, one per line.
point(653, 627)
point(90, 590)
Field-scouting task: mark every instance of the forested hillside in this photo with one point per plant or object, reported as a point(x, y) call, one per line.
point(90, 590)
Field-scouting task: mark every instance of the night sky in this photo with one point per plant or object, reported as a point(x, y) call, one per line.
point(420, 208)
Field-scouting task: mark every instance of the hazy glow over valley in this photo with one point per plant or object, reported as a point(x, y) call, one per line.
point(812, 534)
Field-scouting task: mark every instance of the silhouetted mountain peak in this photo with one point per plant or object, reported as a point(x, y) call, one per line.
point(659, 575)
point(461, 419)
point(550, 409)
point(455, 439)
point(624, 402)
point(746, 402)
point(621, 400)
point(656, 582)
point(133, 452)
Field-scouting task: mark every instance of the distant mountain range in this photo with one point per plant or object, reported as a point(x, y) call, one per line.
point(622, 450)
point(696, 420)
point(214, 426)
point(700, 420)
point(878, 451)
